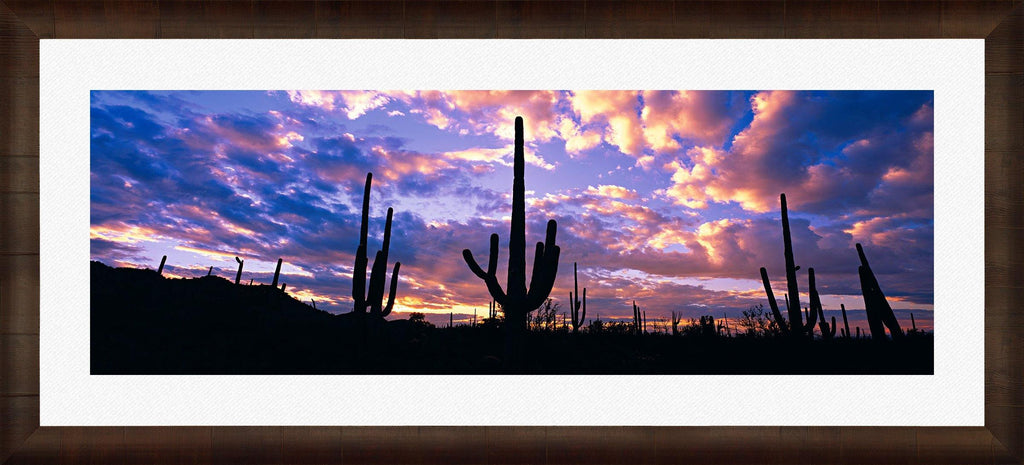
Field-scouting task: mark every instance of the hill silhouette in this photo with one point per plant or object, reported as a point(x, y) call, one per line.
point(144, 323)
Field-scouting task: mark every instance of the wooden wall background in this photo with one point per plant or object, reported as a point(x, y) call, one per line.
point(24, 22)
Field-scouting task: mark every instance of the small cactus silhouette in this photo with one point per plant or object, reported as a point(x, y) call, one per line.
point(374, 297)
point(277, 272)
point(846, 323)
point(827, 331)
point(160, 270)
point(238, 276)
point(574, 303)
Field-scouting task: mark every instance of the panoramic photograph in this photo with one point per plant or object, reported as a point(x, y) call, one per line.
point(411, 232)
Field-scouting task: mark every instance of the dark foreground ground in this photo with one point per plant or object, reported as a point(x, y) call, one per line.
point(142, 323)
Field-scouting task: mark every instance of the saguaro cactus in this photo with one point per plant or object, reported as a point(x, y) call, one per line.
point(875, 305)
point(846, 323)
point(374, 297)
point(676, 318)
point(636, 319)
point(827, 331)
point(516, 300)
point(160, 270)
point(796, 328)
point(574, 303)
point(277, 272)
point(238, 276)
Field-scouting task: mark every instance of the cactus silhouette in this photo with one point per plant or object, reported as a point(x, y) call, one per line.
point(827, 331)
point(876, 306)
point(374, 297)
point(846, 323)
point(208, 273)
point(516, 300)
point(238, 276)
point(637, 319)
point(574, 303)
point(795, 326)
point(277, 272)
point(160, 270)
point(676, 318)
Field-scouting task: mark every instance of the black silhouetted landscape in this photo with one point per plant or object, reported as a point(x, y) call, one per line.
point(144, 323)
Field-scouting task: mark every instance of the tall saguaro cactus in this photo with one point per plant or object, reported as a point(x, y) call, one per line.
point(574, 303)
point(876, 306)
point(516, 300)
point(796, 326)
point(374, 297)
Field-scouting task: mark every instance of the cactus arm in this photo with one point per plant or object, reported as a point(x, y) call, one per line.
point(490, 276)
point(583, 315)
point(545, 268)
point(833, 331)
point(772, 303)
point(391, 293)
point(812, 314)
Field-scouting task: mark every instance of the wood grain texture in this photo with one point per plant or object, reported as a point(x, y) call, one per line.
point(909, 19)
point(284, 20)
point(157, 445)
point(608, 19)
point(136, 19)
point(1004, 46)
point(19, 223)
point(19, 174)
point(19, 47)
point(764, 19)
point(1004, 122)
point(22, 22)
point(19, 294)
point(36, 15)
point(19, 417)
point(19, 121)
point(837, 19)
point(542, 19)
point(93, 445)
point(457, 19)
point(344, 19)
point(19, 361)
point(509, 445)
point(965, 19)
point(180, 19)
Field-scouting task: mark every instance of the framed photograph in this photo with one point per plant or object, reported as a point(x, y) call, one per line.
point(767, 248)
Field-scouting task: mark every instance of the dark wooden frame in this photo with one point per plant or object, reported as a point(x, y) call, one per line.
point(24, 22)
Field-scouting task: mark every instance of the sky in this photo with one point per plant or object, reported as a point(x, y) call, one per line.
point(666, 198)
